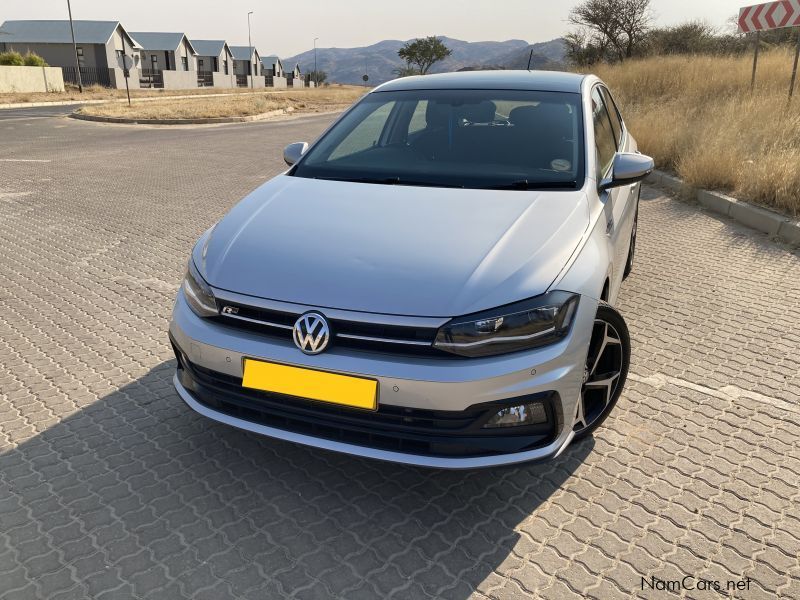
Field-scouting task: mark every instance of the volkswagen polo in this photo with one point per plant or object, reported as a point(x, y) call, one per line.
point(431, 282)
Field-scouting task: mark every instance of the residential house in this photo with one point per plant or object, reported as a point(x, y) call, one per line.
point(214, 63)
point(167, 60)
point(294, 77)
point(247, 67)
point(273, 71)
point(100, 46)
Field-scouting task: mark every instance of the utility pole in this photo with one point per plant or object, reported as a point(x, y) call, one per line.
point(250, 43)
point(126, 69)
point(316, 73)
point(75, 49)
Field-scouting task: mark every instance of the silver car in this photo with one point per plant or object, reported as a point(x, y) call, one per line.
point(431, 282)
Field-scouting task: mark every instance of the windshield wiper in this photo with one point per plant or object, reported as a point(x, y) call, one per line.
point(519, 184)
point(524, 184)
point(392, 181)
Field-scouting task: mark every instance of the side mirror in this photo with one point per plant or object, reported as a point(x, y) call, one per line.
point(628, 168)
point(293, 152)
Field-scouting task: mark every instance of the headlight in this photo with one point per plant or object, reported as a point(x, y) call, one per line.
point(532, 323)
point(198, 293)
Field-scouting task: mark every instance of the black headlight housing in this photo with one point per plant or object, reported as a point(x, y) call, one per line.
point(532, 323)
point(198, 293)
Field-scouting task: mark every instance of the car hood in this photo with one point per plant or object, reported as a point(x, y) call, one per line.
point(392, 249)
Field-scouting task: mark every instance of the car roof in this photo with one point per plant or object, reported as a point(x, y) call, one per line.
point(546, 81)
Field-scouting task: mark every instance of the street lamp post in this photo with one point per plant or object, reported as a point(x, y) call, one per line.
point(250, 43)
point(75, 49)
point(316, 73)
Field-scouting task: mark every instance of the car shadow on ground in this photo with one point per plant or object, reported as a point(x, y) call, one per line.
point(137, 492)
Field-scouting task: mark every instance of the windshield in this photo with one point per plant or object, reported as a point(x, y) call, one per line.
point(491, 139)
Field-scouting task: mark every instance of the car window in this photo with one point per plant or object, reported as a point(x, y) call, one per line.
point(366, 134)
point(508, 139)
point(604, 140)
point(417, 122)
point(613, 113)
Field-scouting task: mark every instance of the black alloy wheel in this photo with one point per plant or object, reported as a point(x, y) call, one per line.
point(605, 372)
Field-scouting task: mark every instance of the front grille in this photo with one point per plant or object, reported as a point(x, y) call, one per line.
point(407, 430)
point(395, 339)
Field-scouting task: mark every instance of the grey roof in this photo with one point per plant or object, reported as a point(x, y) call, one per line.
point(209, 47)
point(57, 32)
point(241, 52)
point(547, 81)
point(270, 60)
point(158, 40)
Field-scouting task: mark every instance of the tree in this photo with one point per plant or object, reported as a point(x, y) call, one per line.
point(583, 49)
point(614, 29)
point(424, 53)
point(692, 37)
point(318, 76)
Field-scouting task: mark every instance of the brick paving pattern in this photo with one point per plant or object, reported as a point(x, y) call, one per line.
point(110, 487)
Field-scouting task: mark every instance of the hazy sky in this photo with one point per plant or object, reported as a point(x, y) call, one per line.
point(287, 28)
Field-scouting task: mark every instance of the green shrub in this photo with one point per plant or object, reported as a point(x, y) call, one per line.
point(34, 60)
point(11, 58)
point(15, 59)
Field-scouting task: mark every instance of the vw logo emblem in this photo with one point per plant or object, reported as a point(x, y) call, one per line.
point(311, 333)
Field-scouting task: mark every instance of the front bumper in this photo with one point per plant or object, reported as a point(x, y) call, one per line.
point(408, 385)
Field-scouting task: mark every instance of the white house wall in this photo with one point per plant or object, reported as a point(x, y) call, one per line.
point(117, 42)
point(185, 52)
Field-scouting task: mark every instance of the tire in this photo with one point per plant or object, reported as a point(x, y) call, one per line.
point(632, 247)
point(605, 372)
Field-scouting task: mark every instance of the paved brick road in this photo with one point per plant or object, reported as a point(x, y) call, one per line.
point(111, 488)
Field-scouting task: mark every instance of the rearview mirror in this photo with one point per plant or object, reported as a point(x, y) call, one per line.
point(628, 168)
point(293, 152)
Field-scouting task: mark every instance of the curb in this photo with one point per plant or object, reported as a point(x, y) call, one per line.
point(138, 99)
point(43, 104)
point(205, 121)
point(761, 219)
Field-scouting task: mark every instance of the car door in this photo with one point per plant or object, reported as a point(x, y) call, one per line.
point(616, 201)
point(626, 200)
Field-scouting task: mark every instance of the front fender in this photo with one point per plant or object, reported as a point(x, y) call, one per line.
point(590, 267)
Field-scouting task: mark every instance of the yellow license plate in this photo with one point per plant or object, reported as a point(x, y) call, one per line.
point(307, 383)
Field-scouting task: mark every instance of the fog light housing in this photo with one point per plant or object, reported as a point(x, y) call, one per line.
point(530, 413)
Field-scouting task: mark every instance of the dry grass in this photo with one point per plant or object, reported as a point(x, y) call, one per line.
point(697, 117)
point(96, 92)
point(306, 100)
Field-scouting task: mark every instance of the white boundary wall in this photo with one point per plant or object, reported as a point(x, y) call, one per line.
point(31, 79)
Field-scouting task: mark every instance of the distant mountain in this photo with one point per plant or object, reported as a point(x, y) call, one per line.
point(545, 55)
point(347, 65)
